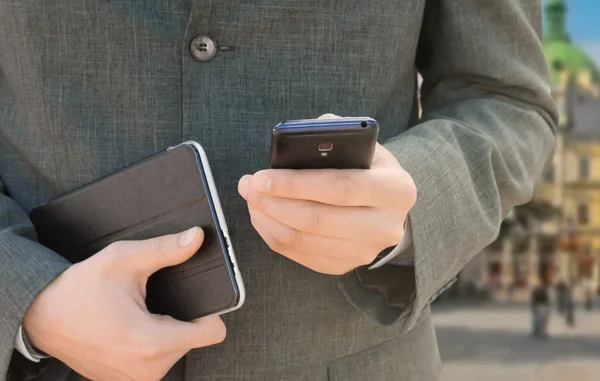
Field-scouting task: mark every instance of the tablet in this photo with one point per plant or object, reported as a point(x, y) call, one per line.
point(165, 193)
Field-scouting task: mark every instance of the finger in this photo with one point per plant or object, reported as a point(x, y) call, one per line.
point(200, 333)
point(318, 263)
point(148, 256)
point(329, 116)
point(384, 158)
point(285, 239)
point(383, 187)
point(349, 222)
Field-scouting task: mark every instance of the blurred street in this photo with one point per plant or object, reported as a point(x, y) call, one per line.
point(491, 342)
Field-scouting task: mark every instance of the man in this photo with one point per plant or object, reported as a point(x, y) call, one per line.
point(540, 310)
point(561, 296)
point(89, 86)
point(569, 307)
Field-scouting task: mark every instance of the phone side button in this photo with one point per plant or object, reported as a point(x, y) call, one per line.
point(229, 250)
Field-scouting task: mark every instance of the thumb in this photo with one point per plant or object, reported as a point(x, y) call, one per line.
point(146, 257)
point(179, 335)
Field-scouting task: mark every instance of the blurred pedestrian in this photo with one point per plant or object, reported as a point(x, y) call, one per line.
point(540, 308)
point(589, 299)
point(569, 307)
point(561, 289)
point(511, 290)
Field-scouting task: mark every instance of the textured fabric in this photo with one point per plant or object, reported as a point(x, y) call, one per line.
point(88, 86)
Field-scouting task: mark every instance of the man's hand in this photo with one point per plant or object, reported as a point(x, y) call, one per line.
point(331, 220)
point(93, 317)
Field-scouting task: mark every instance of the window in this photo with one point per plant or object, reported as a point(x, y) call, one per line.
point(583, 215)
point(584, 167)
point(570, 225)
point(549, 175)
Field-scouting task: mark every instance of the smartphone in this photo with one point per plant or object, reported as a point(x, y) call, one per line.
point(166, 193)
point(343, 143)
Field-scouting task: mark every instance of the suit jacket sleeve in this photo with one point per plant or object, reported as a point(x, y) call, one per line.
point(26, 267)
point(485, 135)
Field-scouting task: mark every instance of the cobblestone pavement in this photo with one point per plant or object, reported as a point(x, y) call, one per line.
point(492, 343)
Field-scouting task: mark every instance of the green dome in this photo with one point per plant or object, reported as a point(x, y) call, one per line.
point(560, 52)
point(563, 55)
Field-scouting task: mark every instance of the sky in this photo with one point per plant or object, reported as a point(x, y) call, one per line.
point(583, 24)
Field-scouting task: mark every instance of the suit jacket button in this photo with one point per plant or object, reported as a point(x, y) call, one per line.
point(203, 48)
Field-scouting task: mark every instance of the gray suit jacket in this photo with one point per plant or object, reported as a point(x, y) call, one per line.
point(88, 86)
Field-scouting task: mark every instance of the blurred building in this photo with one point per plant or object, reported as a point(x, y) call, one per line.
point(566, 247)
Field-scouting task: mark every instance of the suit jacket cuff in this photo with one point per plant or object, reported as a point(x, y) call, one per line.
point(27, 268)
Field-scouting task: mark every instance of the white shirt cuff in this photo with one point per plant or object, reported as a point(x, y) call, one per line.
point(397, 251)
point(22, 348)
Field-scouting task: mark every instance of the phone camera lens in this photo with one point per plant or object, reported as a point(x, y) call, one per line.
point(325, 147)
point(363, 124)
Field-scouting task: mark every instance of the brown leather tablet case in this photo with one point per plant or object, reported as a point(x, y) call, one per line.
point(163, 194)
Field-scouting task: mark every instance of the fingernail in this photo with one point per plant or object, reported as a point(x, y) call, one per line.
point(261, 182)
point(243, 187)
point(187, 237)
